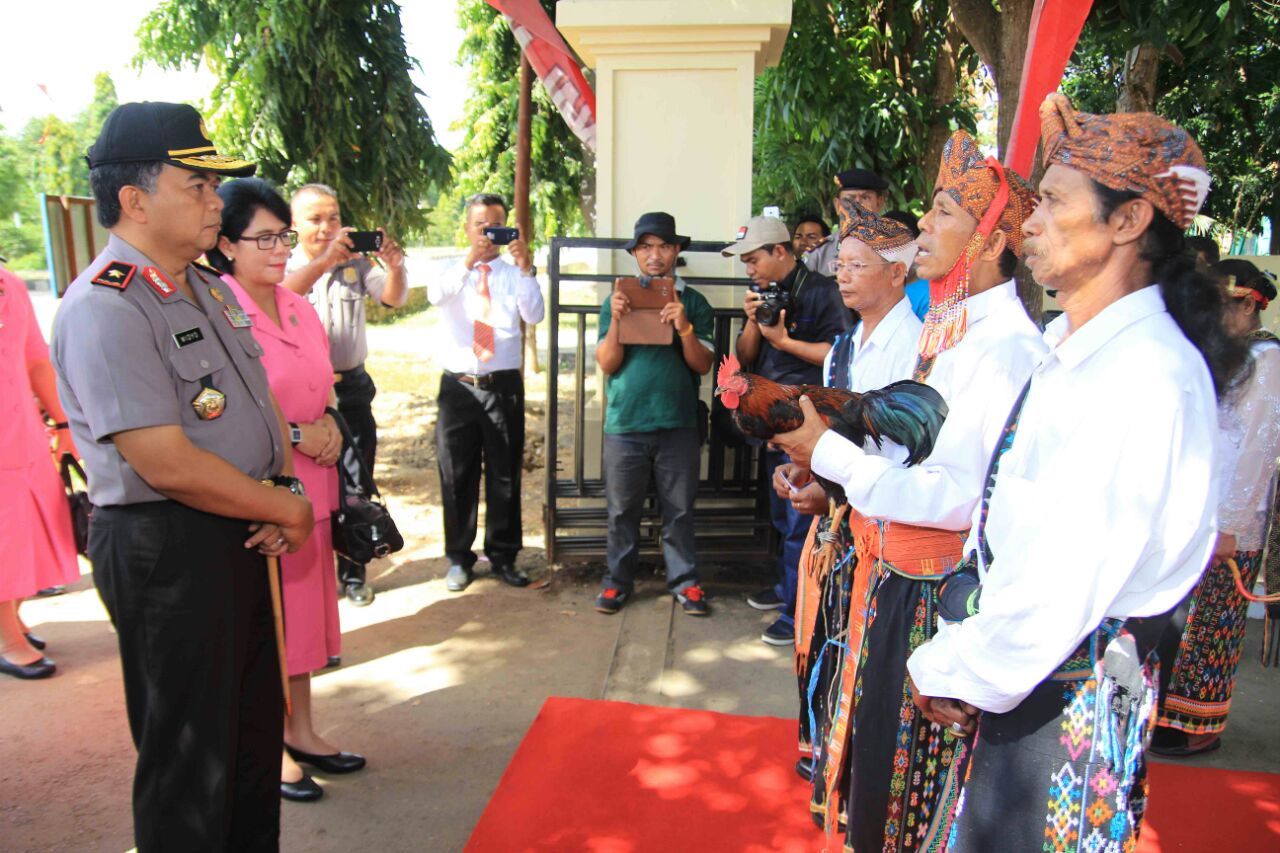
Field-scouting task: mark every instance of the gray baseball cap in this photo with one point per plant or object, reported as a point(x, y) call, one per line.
point(759, 231)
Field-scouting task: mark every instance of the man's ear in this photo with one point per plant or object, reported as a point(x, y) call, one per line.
point(1131, 220)
point(995, 245)
point(133, 204)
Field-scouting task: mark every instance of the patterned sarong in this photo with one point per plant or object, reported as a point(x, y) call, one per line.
point(1204, 670)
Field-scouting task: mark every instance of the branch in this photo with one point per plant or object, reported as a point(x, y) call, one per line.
point(978, 20)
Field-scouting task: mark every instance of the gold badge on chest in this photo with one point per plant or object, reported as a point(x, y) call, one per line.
point(349, 275)
point(209, 404)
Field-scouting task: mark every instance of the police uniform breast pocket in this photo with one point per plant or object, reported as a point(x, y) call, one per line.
point(200, 364)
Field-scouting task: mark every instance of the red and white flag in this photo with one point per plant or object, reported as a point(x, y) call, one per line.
point(554, 64)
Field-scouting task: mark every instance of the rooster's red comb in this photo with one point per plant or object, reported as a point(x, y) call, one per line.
point(728, 368)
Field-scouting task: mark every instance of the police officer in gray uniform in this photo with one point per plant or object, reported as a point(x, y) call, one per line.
point(166, 396)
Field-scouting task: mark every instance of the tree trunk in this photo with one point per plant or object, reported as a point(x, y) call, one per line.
point(1138, 82)
point(944, 89)
point(1273, 213)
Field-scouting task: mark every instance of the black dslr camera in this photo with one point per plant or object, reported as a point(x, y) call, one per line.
point(773, 301)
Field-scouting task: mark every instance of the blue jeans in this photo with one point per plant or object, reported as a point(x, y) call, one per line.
point(794, 529)
point(672, 457)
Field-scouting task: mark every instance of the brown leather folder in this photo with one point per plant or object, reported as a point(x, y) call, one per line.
point(641, 324)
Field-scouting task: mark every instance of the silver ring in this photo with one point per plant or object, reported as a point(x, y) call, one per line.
point(957, 729)
point(280, 541)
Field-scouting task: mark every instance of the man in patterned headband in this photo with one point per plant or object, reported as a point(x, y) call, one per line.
point(1097, 516)
point(977, 349)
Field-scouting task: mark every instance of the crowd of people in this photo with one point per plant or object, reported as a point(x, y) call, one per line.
point(986, 642)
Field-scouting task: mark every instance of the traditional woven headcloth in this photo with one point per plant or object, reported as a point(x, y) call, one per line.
point(973, 180)
point(997, 198)
point(888, 238)
point(1137, 152)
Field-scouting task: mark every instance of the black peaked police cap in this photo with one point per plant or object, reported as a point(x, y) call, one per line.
point(169, 133)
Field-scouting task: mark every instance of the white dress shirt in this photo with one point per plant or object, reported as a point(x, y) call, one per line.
point(1105, 506)
point(980, 379)
point(888, 354)
point(514, 297)
point(1251, 425)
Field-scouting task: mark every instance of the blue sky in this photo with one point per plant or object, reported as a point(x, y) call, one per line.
point(62, 44)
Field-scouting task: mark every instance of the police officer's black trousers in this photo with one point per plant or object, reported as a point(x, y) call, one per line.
point(355, 398)
point(192, 611)
point(481, 429)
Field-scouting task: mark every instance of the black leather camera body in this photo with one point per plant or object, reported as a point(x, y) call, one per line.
point(773, 301)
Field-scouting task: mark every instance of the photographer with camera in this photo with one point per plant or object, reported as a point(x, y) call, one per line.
point(337, 258)
point(793, 317)
point(480, 419)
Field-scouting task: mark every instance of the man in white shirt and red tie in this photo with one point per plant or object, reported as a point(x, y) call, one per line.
point(480, 419)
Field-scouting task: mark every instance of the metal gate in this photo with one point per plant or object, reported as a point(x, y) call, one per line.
point(732, 511)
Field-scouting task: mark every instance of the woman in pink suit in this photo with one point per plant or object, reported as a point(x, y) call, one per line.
point(36, 538)
point(252, 250)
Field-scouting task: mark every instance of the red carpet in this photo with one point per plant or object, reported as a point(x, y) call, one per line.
point(610, 777)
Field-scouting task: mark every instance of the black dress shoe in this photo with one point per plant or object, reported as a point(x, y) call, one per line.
point(804, 769)
point(36, 643)
point(42, 668)
point(339, 762)
point(305, 790)
point(511, 576)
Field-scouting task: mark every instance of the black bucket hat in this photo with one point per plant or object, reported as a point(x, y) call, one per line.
point(659, 225)
point(169, 133)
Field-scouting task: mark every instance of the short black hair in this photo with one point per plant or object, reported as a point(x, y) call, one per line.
point(815, 219)
point(487, 200)
point(906, 218)
point(1202, 244)
point(241, 200)
point(1008, 263)
point(108, 179)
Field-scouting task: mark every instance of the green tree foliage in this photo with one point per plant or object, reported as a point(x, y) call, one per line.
point(313, 90)
point(877, 86)
point(1219, 77)
point(562, 170)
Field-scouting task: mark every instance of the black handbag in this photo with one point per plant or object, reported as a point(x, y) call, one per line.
point(362, 526)
point(81, 508)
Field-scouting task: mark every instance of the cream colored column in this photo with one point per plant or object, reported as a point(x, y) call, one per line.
point(674, 83)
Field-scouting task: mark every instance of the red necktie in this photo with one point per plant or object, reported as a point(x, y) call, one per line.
point(483, 343)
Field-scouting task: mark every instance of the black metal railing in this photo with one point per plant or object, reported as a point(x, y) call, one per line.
point(731, 513)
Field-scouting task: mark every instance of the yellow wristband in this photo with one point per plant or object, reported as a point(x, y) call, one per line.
point(687, 332)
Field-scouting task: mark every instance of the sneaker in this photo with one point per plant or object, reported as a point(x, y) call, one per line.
point(765, 599)
point(457, 579)
point(779, 634)
point(360, 594)
point(694, 601)
point(611, 600)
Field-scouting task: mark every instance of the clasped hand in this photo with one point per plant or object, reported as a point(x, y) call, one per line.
point(321, 441)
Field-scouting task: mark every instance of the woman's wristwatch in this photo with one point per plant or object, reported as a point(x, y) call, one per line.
point(295, 434)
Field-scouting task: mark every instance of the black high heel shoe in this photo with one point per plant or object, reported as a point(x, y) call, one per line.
point(305, 790)
point(338, 762)
point(42, 668)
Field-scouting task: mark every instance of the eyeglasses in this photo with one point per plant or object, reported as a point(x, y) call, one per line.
point(856, 267)
point(267, 242)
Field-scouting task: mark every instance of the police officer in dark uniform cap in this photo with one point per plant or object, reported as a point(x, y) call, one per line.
point(867, 189)
point(161, 380)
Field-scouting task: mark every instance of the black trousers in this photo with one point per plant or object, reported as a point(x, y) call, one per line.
point(355, 398)
point(481, 429)
point(192, 613)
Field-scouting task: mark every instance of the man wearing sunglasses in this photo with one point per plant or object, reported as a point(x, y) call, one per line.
point(336, 279)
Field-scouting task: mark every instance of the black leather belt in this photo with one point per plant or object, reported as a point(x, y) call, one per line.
point(482, 381)
point(340, 375)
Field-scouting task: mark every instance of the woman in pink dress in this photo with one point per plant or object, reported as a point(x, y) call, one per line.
point(36, 538)
point(252, 250)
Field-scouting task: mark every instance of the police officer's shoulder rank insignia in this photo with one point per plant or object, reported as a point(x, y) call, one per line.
point(116, 274)
point(158, 282)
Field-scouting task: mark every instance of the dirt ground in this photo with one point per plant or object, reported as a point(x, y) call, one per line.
point(436, 689)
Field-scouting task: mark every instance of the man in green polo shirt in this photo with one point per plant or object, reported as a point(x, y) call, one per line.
point(650, 424)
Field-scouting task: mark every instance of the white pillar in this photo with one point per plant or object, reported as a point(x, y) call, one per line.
point(674, 84)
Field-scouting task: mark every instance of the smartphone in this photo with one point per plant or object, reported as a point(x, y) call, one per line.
point(365, 241)
point(501, 235)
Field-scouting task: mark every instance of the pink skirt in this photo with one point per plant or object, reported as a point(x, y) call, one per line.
point(310, 591)
point(36, 538)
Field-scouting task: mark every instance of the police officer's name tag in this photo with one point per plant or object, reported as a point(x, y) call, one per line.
point(190, 336)
point(237, 317)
